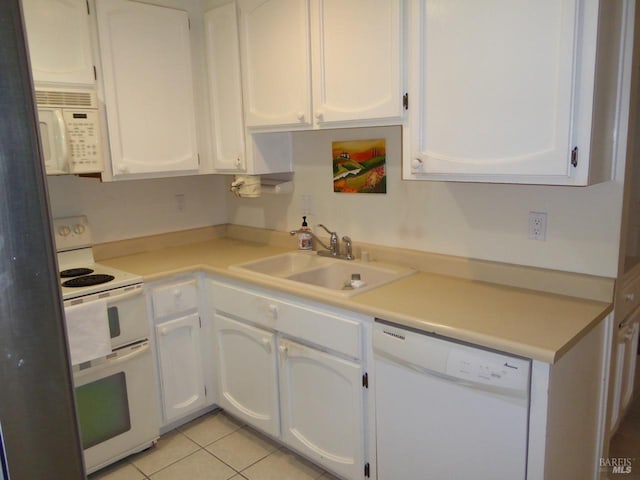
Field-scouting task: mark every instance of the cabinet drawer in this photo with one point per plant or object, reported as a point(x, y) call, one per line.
point(323, 328)
point(244, 304)
point(175, 298)
point(630, 297)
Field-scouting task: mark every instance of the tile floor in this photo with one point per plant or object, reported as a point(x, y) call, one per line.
point(626, 442)
point(217, 447)
point(213, 447)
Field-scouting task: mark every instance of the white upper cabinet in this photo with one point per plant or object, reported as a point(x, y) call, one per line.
point(351, 50)
point(225, 87)
point(509, 91)
point(148, 87)
point(59, 38)
point(276, 74)
point(357, 60)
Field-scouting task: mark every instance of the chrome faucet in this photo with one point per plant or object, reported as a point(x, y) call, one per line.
point(333, 249)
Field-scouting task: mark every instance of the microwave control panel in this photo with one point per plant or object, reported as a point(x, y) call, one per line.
point(85, 150)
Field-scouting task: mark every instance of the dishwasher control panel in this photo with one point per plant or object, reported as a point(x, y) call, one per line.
point(487, 368)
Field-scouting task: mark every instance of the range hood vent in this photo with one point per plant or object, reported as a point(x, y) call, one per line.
point(66, 98)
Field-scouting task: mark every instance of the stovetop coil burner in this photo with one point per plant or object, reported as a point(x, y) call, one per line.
point(75, 272)
point(88, 280)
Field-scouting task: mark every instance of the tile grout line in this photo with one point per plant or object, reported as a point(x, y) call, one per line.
point(182, 431)
point(172, 463)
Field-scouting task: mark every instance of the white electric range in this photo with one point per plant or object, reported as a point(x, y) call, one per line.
point(80, 275)
point(114, 381)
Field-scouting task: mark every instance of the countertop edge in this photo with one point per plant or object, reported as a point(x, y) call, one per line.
point(347, 303)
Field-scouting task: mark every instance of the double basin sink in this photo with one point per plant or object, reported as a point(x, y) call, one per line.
point(325, 274)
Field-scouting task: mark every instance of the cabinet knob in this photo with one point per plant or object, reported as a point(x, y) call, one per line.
point(283, 349)
point(417, 166)
point(272, 311)
point(319, 116)
point(629, 297)
point(164, 331)
point(123, 169)
point(238, 162)
point(266, 343)
point(300, 116)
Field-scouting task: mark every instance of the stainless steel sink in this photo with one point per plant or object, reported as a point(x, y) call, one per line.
point(323, 273)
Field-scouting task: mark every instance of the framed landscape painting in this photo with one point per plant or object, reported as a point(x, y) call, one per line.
point(359, 166)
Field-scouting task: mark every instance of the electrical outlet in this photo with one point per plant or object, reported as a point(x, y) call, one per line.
point(180, 201)
point(537, 226)
point(307, 206)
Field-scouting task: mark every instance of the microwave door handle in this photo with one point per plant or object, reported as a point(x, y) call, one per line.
point(64, 146)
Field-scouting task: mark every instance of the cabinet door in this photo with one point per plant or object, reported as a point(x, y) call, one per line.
point(492, 87)
point(180, 366)
point(146, 58)
point(225, 87)
point(322, 407)
point(59, 41)
point(357, 60)
point(276, 72)
point(629, 371)
point(247, 373)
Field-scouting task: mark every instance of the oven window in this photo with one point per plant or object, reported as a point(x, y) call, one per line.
point(103, 409)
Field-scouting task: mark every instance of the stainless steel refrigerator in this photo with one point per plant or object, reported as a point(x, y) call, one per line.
point(38, 423)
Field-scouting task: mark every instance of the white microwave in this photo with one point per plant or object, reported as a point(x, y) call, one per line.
point(70, 131)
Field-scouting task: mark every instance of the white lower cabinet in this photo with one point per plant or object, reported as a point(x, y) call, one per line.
point(180, 366)
point(181, 348)
point(247, 375)
point(296, 371)
point(321, 399)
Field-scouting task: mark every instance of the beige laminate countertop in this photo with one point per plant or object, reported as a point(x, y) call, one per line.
point(532, 324)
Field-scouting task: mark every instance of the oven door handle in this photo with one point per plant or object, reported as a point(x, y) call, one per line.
point(136, 351)
point(124, 296)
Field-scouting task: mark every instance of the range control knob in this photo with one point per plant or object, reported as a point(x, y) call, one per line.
point(79, 228)
point(64, 230)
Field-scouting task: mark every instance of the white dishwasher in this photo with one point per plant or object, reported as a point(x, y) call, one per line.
point(448, 410)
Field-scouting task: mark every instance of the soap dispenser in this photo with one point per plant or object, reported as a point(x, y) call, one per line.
point(305, 240)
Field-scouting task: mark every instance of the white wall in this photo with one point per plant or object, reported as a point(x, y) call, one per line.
point(485, 221)
point(134, 208)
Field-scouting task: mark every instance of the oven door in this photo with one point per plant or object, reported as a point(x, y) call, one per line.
point(117, 415)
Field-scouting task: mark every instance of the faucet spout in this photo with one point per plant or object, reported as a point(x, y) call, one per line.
point(334, 247)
